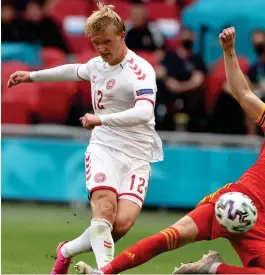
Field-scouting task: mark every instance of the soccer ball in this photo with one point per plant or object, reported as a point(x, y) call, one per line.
point(236, 212)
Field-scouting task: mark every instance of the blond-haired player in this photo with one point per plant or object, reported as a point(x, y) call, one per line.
point(123, 141)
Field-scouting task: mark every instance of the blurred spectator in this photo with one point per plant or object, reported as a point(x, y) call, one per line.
point(142, 35)
point(181, 77)
point(256, 73)
point(14, 29)
point(227, 116)
point(44, 29)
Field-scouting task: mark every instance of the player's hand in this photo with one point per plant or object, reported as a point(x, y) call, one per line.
point(227, 39)
point(18, 77)
point(89, 121)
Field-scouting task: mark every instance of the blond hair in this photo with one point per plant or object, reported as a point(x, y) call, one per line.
point(103, 17)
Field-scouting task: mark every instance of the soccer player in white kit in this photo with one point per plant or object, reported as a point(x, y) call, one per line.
point(123, 142)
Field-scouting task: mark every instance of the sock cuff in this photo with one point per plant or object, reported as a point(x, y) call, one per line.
point(95, 222)
point(172, 236)
point(214, 267)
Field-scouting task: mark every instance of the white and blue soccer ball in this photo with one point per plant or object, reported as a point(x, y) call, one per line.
point(236, 212)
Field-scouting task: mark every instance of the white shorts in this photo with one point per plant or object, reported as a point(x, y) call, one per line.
point(109, 169)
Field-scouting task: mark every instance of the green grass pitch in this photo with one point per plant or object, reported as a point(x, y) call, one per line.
point(30, 234)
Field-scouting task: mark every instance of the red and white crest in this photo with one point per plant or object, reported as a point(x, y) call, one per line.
point(100, 177)
point(110, 84)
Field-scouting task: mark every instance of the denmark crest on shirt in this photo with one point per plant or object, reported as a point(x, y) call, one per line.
point(110, 84)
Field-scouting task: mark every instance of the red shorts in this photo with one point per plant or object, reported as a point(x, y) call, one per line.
point(248, 245)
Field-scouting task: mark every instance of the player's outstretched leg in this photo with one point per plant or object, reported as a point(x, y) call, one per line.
point(183, 232)
point(212, 263)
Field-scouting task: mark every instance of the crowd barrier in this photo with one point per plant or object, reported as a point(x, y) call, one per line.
point(52, 169)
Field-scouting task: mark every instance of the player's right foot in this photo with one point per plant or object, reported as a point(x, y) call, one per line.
point(62, 264)
point(83, 268)
point(203, 266)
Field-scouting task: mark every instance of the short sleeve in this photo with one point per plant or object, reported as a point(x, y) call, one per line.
point(84, 70)
point(144, 86)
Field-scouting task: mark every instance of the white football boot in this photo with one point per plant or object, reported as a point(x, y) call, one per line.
point(207, 265)
point(83, 268)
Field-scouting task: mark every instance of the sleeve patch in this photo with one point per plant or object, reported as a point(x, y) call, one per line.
point(145, 92)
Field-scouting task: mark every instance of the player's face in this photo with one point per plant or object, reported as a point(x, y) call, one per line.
point(109, 45)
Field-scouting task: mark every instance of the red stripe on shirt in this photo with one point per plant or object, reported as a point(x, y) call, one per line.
point(145, 98)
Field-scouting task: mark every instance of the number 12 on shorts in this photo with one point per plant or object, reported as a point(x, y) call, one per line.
point(137, 184)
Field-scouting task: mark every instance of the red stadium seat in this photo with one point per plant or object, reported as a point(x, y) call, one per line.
point(83, 87)
point(149, 57)
point(9, 68)
point(55, 101)
point(52, 57)
point(79, 43)
point(157, 10)
point(85, 56)
point(20, 103)
point(24, 93)
point(60, 9)
point(15, 113)
point(217, 78)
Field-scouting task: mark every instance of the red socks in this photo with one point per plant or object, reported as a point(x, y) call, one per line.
point(143, 251)
point(228, 269)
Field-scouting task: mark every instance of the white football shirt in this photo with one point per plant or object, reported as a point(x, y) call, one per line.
point(116, 89)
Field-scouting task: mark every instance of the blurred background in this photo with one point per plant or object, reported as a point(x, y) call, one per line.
point(208, 139)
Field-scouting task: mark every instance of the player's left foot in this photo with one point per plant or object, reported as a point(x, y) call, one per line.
point(83, 268)
point(203, 266)
point(62, 264)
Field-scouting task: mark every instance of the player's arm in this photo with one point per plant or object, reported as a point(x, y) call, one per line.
point(238, 84)
point(69, 72)
point(141, 113)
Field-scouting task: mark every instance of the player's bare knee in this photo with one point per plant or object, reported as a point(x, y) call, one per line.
point(187, 229)
point(104, 206)
point(122, 226)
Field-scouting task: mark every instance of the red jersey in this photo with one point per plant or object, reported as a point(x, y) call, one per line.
point(254, 178)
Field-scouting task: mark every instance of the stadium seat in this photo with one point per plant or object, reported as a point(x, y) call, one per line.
point(148, 56)
point(9, 68)
point(79, 43)
point(157, 10)
point(85, 56)
point(60, 9)
point(52, 57)
point(217, 78)
point(15, 113)
point(20, 103)
point(55, 101)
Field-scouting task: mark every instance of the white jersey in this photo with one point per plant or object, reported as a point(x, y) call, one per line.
point(116, 89)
